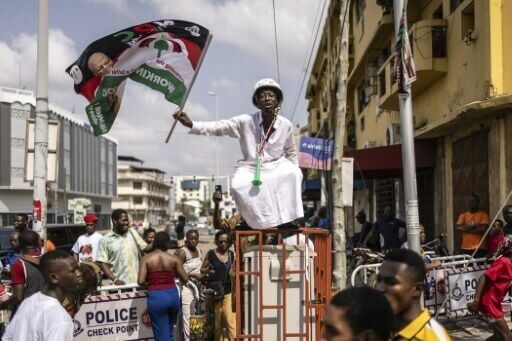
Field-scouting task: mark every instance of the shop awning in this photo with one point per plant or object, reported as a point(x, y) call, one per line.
point(386, 162)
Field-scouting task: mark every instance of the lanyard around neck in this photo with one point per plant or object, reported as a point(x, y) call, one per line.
point(264, 137)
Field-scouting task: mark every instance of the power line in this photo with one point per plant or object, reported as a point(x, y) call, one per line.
point(342, 23)
point(309, 62)
point(275, 38)
point(306, 55)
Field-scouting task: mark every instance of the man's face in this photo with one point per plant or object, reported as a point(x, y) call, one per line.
point(192, 240)
point(150, 238)
point(267, 100)
point(14, 242)
point(507, 214)
point(398, 286)
point(66, 274)
point(423, 236)
point(388, 214)
point(336, 327)
point(90, 227)
point(122, 224)
point(20, 223)
point(473, 203)
point(99, 63)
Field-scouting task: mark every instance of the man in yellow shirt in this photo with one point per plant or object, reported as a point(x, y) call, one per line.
point(401, 279)
point(473, 224)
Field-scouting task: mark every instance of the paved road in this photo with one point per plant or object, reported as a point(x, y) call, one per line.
point(472, 329)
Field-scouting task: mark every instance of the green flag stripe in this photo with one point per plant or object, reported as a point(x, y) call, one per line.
point(161, 80)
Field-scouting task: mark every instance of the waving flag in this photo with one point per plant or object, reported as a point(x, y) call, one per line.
point(164, 55)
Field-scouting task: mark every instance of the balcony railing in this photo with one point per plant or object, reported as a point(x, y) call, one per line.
point(429, 48)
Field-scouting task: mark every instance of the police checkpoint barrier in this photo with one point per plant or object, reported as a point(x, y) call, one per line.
point(462, 286)
point(445, 280)
point(121, 316)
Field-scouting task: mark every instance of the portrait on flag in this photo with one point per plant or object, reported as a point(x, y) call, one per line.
point(163, 55)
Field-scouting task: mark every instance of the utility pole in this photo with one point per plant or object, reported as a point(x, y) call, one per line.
point(406, 76)
point(41, 125)
point(338, 224)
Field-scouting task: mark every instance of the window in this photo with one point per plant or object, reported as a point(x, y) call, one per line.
point(468, 22)
point(454, 4)
point(382, 83)
point(137, 185)
point(360, 6)
point(439, 49)
point(438, 14)
point(361, 97)
point(137, 200)
point(362, 124)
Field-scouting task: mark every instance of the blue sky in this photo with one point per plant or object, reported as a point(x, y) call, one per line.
point(242, 51)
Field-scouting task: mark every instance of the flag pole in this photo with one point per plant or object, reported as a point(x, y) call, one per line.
point(408, 154)
point(206, 45)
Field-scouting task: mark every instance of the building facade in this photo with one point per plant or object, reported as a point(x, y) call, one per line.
point(86, 163)
point(142, 192)
point(461, 104)
point(193, 197)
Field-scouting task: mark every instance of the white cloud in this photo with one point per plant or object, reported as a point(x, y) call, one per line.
point(223, 83)
point(248, 24)
point(118, 5)
point(22, 50)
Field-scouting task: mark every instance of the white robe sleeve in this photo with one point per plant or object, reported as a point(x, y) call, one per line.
point(229, 127)
point(290, 152)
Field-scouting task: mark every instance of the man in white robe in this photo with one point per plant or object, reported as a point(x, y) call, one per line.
point(269, 136)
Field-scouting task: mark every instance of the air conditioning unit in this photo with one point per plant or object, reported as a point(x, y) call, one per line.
point(393, 134)
point(370, 144)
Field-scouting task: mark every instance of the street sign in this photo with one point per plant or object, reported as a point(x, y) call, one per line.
point(113, 317)
point(79, 207)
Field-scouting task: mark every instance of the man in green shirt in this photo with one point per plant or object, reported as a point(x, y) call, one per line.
point(120, 250)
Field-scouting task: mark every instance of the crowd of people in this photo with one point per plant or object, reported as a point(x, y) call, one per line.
point(392, 310)
point(124, 257)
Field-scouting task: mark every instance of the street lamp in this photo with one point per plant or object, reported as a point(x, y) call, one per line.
point(211, 93)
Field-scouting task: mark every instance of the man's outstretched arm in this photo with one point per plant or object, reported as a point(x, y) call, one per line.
point(229, 127)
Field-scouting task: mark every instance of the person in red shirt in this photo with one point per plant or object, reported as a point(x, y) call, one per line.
point(492, 288)
point(495, 237)
point(26, 279)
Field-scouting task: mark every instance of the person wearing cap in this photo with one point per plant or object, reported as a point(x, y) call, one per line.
point(86, 246)
point(267, 136)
